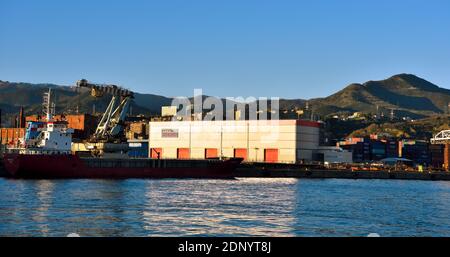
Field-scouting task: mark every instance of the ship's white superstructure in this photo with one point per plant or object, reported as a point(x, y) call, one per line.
point(48, 137)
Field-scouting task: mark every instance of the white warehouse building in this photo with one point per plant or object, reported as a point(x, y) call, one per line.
point(284, 141)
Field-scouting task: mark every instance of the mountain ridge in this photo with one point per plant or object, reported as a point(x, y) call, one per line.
point(406, 94)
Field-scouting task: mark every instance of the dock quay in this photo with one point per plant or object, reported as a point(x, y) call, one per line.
point(285, 172)
point(265, 170)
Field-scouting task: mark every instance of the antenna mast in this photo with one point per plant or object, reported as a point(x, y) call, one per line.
point(48, 106)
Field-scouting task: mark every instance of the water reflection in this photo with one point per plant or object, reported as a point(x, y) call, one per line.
point(256, 207)
point(44, 190)
point(102, 207)
point(336, 207)
point(222, 208)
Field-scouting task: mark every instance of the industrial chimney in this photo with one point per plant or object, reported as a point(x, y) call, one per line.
point(14, 121)
point(21, 118)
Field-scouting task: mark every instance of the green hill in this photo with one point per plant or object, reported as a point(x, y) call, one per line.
point(406, 94)
point(419, 129)
point(67, 99)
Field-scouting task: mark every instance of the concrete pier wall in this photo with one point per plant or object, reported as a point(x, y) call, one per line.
point(286, 172)
point(343, 174)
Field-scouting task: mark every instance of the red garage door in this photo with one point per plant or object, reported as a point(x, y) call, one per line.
point(271, 155)
point(156, 153)
point(183, 153)
point(211, 153)
point(240, 153)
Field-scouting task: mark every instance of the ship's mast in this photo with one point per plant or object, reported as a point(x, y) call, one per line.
point(48, 106)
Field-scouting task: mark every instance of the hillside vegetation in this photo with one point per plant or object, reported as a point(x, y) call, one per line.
point(420, 129)
point(406, 94)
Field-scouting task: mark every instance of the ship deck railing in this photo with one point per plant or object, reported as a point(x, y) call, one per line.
point(145, 163)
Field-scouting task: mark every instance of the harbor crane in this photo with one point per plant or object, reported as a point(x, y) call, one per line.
point(111, 124)
point(442, 137)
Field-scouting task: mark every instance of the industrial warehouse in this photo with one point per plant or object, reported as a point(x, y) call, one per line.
point(286, 141)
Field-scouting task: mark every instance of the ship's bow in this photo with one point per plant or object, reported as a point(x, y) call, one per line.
point(11, 164)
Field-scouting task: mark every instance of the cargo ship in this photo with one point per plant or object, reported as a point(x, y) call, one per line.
point(58, 166)
point(46, 153)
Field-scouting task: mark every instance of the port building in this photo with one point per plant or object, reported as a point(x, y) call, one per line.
point(11, 136)
point(278, 141)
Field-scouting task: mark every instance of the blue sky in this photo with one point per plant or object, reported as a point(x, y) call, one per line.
point(290, 49)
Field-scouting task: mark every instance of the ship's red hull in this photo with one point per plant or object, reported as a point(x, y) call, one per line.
point(72, 166)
